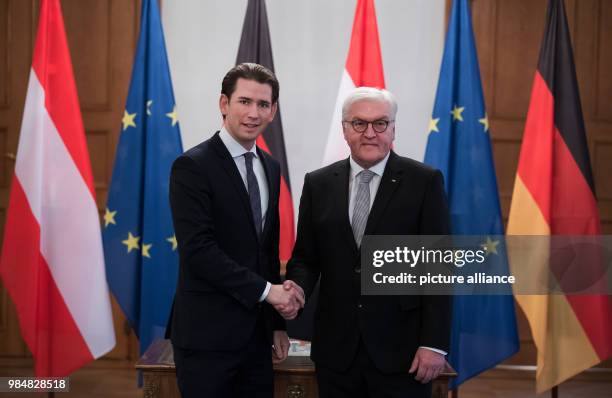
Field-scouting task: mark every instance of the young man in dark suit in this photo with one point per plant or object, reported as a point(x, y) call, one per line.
point(370, 346)
point(225, 328)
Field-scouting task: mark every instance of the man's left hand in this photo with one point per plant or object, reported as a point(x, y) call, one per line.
point(427, 364)
point(280, 349)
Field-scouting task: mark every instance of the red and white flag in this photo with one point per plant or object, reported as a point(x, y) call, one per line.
point(363, 68)
point(52, 261)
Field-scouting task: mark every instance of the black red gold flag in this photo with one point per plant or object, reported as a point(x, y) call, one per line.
point(554, 194)
point(255, 47)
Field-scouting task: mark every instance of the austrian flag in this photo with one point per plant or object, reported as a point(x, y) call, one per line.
point(363, 68)
point(52, 263)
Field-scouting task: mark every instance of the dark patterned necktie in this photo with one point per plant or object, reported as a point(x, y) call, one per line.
point(253, 189)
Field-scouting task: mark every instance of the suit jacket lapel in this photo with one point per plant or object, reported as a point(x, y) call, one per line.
point(341, 201)
point(229, 165)
point(391, 179)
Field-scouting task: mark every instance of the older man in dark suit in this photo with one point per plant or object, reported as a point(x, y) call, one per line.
point(369, 346)
point(224, 196)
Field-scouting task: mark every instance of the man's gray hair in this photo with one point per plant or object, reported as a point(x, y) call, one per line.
point(369, 93)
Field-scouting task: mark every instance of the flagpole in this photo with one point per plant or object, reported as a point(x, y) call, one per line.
point(554, 392)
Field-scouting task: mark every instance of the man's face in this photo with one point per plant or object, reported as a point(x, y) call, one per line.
point(369, 147)
point(248, 111)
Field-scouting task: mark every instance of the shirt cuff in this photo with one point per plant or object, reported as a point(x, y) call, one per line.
point(435, 350)
point(265, 292)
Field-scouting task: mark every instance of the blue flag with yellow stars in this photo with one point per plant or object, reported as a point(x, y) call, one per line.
point(484, 329)
point(139, 241)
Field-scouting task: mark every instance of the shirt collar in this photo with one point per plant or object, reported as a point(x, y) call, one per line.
point(378, 168)
point(233, 146)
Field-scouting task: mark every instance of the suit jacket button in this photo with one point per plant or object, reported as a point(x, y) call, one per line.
point(359, 305)
point(358, 270)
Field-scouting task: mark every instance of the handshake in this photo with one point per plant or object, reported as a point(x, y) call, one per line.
point(287, 299)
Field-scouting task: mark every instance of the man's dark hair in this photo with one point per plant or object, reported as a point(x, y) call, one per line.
point(249, 71)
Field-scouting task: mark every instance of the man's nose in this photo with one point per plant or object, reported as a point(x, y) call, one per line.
point(369, 131)
point(253, 111)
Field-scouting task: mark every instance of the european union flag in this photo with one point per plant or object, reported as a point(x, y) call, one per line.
point(139, 242)
point(484, 327)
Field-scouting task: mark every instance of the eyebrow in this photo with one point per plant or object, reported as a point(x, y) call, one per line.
point(251, 99)
point(387, 118)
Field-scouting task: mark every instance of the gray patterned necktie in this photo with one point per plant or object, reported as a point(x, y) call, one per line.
point(361, 209)
point(253, 188)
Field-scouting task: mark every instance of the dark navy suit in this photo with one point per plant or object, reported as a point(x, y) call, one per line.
point(218, 326)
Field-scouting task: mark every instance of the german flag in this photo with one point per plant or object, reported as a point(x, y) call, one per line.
point(255, 47)
point(554, 194)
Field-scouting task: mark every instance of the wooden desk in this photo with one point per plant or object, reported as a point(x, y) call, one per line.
point(294, 378)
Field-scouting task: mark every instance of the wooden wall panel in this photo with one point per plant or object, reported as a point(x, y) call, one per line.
point(603, 107)
point(97, 143)
point(506, 151)
point(88, 27)
point(4, 59)
point(602, 162)
point(4, 161)
point(11, 343)
point(516, 25)
point(584, 37)
point(599, 116)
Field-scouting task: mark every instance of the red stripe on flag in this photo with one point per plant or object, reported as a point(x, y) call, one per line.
point(285, 210)
point(536, 159)
point(364, 62)
point(574, 212)
point(595, 316)
point(287, 229)
point(262, 144)
point(574, 208)
point(46, 324)
point(52, 65)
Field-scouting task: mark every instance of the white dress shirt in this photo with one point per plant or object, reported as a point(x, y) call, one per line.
point(237, 152)
point(378, 169)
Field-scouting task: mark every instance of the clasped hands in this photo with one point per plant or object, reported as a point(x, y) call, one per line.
point(287, 299)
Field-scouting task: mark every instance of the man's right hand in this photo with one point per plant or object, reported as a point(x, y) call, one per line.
point(287, 299)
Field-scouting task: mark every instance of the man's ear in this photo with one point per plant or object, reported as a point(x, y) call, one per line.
point(345, 133)
point(274, 109)
point(223, 104)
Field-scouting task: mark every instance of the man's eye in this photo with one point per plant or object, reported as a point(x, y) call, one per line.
point(264, 105)
point(243, 101)
point(358, 123)
point(380, 123)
